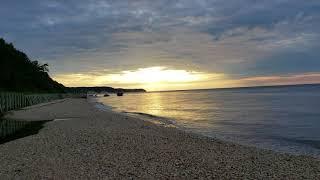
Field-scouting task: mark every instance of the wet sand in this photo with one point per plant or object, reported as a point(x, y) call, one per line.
point(87, 143)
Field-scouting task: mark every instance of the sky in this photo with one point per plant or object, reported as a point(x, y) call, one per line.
point(169, 44)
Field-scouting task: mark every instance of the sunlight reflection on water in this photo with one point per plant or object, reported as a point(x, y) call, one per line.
point(283, 119)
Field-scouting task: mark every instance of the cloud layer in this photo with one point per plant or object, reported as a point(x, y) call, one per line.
point(239, 38)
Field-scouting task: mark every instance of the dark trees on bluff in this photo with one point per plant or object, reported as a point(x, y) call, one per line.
point(18, 73)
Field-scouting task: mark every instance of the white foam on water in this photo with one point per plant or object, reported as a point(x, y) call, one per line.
point(63, 119)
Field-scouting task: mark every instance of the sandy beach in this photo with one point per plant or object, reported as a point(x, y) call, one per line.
point(87, 143)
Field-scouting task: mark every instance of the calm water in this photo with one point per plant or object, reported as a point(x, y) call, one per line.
point(285, 119)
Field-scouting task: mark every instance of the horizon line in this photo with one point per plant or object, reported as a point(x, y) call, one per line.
point(240, 87)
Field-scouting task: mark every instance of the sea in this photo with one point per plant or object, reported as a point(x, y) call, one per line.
point(280, 118)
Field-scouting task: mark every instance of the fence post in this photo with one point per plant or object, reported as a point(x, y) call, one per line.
point(11, 101)
point(1, 104)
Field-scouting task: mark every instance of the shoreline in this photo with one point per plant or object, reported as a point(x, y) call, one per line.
point(90, 143)
point(291, 149)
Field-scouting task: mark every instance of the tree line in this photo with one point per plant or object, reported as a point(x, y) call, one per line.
point(20, 74)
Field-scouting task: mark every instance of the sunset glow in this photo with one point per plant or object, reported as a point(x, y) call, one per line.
point(157, 75)
point(162, 78)
point(150, 78)
point(139, 44)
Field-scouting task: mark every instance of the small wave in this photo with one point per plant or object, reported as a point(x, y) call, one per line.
point(312, 143)
point(153, 118)
point(102, 106)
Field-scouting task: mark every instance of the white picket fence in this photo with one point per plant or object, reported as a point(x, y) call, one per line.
point(11, 101)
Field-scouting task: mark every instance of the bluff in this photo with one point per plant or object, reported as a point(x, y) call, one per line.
point(20, 74)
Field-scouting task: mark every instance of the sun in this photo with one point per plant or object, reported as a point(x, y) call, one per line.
point(155, 78)
point(154, 75)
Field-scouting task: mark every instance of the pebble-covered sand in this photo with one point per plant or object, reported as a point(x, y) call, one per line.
point(87, 143)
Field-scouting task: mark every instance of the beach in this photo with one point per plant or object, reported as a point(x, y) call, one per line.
point(84, 142)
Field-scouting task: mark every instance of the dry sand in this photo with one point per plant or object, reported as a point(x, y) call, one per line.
point(95, 144)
